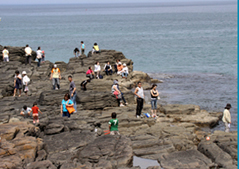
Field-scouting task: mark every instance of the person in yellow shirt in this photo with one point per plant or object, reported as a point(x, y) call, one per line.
point(95, 49)
point(55, 77)
point(227, 117)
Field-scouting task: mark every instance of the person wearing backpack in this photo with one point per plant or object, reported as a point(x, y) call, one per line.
point(25, 82)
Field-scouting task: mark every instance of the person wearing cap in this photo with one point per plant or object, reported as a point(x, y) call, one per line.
point(125, 71)
point(227, 117)
point(117, 93)
point(25, 82)
point(119, 68)
point(55, 77)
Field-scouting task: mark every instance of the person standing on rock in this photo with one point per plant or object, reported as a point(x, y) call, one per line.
point(72, 91)
point(154, 97)
point(43, 56)
point(227, 117)
point(55, 77)
point(82, 48)
point(17, 83)
point(66, 102)
point(25, 82)
point(39, 56)
point(113, 125)
point(5, 54)
point(28, 52)
point(35, 114)
point(139, 92)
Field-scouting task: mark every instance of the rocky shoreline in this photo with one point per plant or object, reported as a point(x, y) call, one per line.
point(175, 139)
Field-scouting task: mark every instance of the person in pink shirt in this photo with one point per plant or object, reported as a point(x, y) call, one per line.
point(90, 73)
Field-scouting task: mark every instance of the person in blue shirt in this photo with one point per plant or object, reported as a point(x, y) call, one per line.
point(66, 102)
point(82, 48)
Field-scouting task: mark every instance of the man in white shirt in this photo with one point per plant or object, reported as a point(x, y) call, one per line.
point(5, 54)
point(28, 52)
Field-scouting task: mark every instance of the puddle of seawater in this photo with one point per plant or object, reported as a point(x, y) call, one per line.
point(144, 163)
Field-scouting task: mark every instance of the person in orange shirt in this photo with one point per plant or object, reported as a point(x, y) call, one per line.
point(34, 111)
point(119, 68)
point(55, 76)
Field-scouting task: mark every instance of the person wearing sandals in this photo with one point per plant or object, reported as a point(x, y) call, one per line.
point(154, 97)
point(17, 83)
point(66, 102)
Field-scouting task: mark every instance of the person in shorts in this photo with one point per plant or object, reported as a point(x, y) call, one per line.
point(17, 83)
point(5, 54)
point(82, 48)
point(35, 114)
point(25, 111)
point(113, 125)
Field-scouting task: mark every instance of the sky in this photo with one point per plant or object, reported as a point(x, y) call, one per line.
point(16, 2)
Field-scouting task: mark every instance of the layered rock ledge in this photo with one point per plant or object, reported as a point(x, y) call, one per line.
point(175, 139)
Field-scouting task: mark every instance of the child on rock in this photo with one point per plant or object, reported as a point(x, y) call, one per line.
point(34, 111)
point(113, 125)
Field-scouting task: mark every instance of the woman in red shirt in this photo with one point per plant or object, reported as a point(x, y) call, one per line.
point(90, 73)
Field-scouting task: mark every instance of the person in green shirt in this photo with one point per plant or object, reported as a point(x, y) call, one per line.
point(113, 125)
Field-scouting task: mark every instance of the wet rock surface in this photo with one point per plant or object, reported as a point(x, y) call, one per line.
point(174, 139)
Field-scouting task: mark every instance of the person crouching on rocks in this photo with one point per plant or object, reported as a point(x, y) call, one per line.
point(227, 117)
point(35, 114)
point(55, 76)
point(117, 93)
point(90, 74)
point(66, 102)
point(26, 111)
point(113, 125)
point(25, 81)
point(84, 83)
point(17, 83)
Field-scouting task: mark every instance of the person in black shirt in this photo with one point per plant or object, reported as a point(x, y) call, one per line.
point(83, 84)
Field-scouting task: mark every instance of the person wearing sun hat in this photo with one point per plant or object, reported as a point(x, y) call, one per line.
point(55, 76)
point(25, 82)
point(227, 117)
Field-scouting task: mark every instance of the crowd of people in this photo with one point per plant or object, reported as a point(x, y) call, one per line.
point(69, 105)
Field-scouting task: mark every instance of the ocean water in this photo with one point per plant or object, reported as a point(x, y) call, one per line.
point(194, 43)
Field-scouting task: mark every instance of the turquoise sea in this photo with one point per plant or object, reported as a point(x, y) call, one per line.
point(192, 46)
